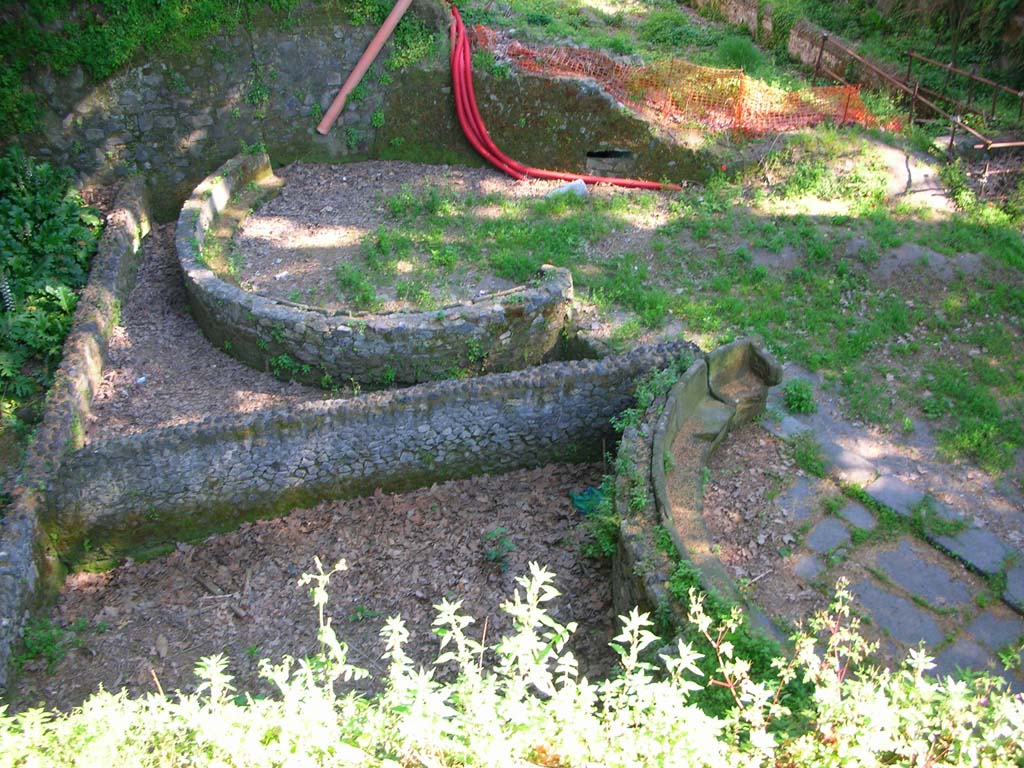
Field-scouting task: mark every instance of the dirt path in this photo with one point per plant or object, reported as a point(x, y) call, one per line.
point(464, 540)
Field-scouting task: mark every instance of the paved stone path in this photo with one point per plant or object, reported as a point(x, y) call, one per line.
point(953, 579)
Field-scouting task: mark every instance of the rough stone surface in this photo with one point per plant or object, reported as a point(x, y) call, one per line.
point(996, 632)
point(978, 548)
point(800, 500)
point(848, 466)
point(962, 655)
point(496, 333)
point(26, 563)
point(858, 515)
point(895, 494)
point(809, 567)
point(180, 482)
point(935, 584)
point(907, 623)
point(827, 535)
point(1014, 593)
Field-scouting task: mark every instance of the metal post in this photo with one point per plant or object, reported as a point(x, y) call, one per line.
point(821, 51)
point(910, 63)
point(846, 106)
point(1020, 109)
point(952, 135)
point(913, 104)
point(970, 87)
point(995, 95)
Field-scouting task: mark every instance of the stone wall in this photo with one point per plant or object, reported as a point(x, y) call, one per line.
point(184, 482)
point(498, 332)
point(803, 42)
point(177, 117)
point(715, 394)
point(28, 564)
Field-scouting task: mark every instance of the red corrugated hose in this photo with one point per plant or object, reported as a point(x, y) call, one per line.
point(476, 132)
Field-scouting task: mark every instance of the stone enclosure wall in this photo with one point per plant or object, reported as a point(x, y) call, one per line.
point(661, 461)
point(498, 332)
point(184, 482)
point(28, 562)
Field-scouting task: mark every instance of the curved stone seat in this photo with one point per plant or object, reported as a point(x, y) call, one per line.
point(496, 332)
point(668, 451)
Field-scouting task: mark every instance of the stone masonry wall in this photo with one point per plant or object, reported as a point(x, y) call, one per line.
point(185, 482)
point(177, 117)
point(498, 332)
point(28, 565)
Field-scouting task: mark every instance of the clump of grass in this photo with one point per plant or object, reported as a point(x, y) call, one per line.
point(798, 396)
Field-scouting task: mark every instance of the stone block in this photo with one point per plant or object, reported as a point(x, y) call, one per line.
point(895, 494)
point(982, 550)
point(827, 535)
point(937, 585)
point(904, 621)
point(858, 515)
point(848, 466)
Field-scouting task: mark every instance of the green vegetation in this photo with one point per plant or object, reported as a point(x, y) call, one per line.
point(498, 545)
point(42, 639)
point(522, 699)
point(47, 238)
point(798, 396)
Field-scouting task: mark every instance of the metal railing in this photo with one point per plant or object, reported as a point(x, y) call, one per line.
point(974, 78)
point(917, 98)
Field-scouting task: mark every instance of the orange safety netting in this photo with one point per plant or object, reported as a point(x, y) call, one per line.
point(678, 94)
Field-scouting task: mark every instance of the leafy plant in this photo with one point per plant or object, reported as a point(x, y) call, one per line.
point(798, 396)
point(497, 546)
point(47, 237)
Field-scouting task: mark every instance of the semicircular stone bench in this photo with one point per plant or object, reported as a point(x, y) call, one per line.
point(662, 462)
point(497, 332)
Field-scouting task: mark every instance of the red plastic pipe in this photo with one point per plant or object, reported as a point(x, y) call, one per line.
point(362, 65)
point(476, 132)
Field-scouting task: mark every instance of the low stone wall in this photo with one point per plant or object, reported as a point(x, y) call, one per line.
point(803, 39)
point(145, 490)
point(717, 393)
point(499, 332)
point(28, 563)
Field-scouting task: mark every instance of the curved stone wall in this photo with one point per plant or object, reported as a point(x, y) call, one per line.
point(28, 563)
point(661, 462)
point(184, 482)
point(498, 332)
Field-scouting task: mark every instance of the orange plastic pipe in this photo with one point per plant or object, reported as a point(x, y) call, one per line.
point(362, 65)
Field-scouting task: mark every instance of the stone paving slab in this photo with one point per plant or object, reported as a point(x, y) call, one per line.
point(996, 632)
point(827, 535)
point(1014, 593)
point(904, 621)
point(857, 515)
point(936, 585)
point(962, 655)
point(785, 428)
point(980, 549)
point(809, 567)
point(848, 466)
point(895, 494)
point(800, 500)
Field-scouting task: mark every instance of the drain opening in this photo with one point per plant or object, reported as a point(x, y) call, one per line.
point(610, 162)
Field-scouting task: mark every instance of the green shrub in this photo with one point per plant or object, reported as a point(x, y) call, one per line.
point(798, 396)
point(672, 28)
point(47, 237)
point(739, 52)
point(522, 701)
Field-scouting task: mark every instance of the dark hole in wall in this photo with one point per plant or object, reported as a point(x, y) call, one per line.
point(610, 154)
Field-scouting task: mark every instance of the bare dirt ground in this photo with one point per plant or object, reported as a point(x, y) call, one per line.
point(162, 370)
point(145, 624)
